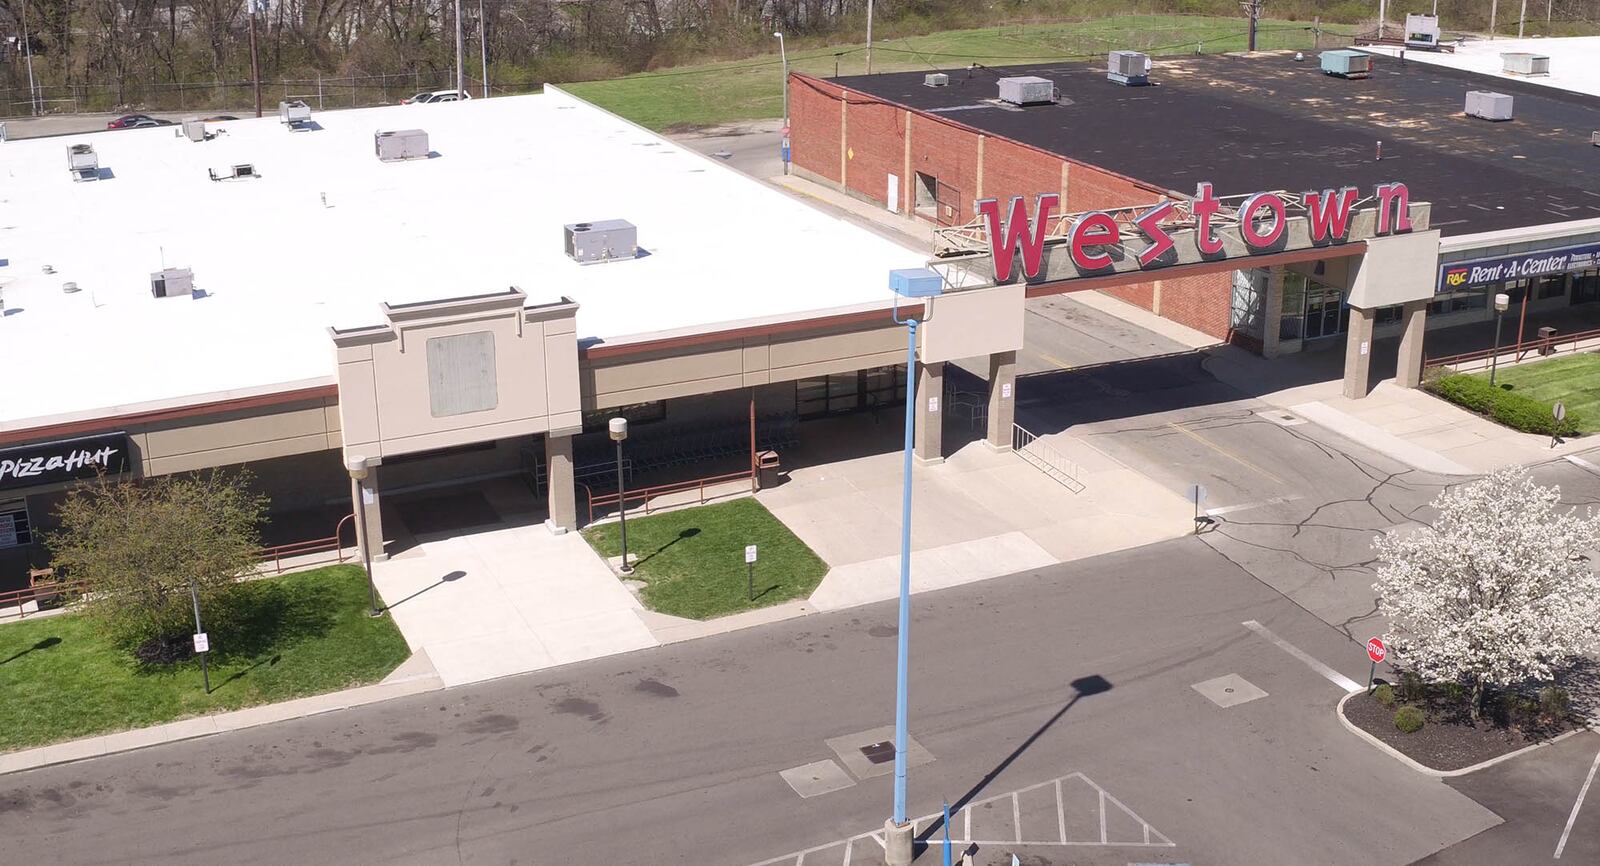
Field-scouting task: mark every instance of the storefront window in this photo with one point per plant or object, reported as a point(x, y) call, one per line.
point(15, 529)
point(1469, 301)
point(1551, 287)
point(1249, 290)
point(839, 393)
point(1386, 315)
point(1586, 286)
point(1292, 326)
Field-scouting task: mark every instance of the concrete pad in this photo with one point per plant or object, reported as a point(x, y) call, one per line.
point(817, 778)
point(948, 565)
point(488, 656)
point(1229, 691)
point(594, 636)
point(1404, 450)
point(849, 749)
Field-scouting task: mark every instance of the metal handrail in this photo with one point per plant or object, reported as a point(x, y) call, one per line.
point(1029, 447)
point(1543, 345)
point(647, 493)
point(331, 544)
point(19, 598)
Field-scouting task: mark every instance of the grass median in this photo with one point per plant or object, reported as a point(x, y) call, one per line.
point(1573, 380)
point(692, 561)
point(306, 634)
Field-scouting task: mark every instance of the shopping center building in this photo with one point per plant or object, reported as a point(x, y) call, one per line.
point(1515, 202)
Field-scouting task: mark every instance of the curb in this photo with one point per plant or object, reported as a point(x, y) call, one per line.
point(1429, 771)
point(88, 748)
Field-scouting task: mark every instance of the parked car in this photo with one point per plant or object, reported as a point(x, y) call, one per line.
point(417, 98)
point(137, 121)
point(436, 96)
point(218, 118)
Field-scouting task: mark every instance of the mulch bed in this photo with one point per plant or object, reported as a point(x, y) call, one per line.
point(1448, 741)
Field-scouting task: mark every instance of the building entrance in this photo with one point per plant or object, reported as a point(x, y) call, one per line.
point(1326, 313)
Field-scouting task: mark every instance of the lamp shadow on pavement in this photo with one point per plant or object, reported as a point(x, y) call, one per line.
point(1082, 687)
point(452, 577)
point(41, 645)
point(691, 532)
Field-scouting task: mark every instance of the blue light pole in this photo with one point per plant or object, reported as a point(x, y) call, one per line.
point(898, 833)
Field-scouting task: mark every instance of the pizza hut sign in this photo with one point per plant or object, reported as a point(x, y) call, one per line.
point(1262, 219)
point(64, 460)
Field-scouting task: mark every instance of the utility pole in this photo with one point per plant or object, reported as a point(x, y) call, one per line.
point(461, 73)
point(1522, 18)
point(255, 62)
point(1252, 11)
point(869, 37)
point(483, 49)
point(1494, 10)
point(1383, 18)
point(27, 52)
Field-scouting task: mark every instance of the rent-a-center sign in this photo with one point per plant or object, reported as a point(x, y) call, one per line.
point(1487, 272)
point(1096, 241)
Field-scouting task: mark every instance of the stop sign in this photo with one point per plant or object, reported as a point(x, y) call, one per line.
point(1376, 650)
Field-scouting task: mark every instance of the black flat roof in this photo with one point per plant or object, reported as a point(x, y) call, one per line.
point(1267, 122)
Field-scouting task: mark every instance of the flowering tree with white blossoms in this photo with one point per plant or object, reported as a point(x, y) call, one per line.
point(1497, 591)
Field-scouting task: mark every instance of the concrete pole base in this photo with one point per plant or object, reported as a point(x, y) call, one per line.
point(898, 842)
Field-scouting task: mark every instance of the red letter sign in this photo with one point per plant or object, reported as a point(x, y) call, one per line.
point(1394, 208)
point(1329, 212)
point(1093, 230)
point(1149, 222)
point(1253, 236)
point(1003, 243)
point(1205, 207)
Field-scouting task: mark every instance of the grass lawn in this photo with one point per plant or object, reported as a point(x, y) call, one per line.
point(692, 561)
point(749, 89)
point(306, 633)
point(1574, 380)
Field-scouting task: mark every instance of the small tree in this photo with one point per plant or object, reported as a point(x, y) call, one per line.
point(138, 546)
point(1497, 590)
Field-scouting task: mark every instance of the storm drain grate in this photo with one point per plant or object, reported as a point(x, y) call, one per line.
point(879, 753)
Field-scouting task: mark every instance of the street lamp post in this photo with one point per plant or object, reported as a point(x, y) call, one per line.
point(357, 466)
point(783, 53)
point(1501, 302)
point(619, 432)
point(483, 48)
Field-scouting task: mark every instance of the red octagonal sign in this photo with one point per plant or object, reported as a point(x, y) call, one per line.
point(1376, 650)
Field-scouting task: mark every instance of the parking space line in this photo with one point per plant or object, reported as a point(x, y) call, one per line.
point(1223, 451)
point(848, 845)
point(1333, 676)
point(1061, 815)
point(1572, 818)
point(1102, 817)
point(1246, 506)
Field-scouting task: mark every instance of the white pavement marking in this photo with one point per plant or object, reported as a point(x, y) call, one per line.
point(1246, 506)
point(1575, 460)
point(1332, 675)
point(1061, 816)
point(1582, 792)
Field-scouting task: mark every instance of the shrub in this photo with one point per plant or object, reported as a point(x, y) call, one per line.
point(1408, 720)
point(1517, 411)
point(1554, 703)
point(1412, 688)
point(1384, 694)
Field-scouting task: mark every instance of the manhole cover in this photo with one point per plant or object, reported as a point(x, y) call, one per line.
point(879, 753)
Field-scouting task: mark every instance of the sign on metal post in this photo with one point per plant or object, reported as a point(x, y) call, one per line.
point(1559, 411)
point(1377, 652)
point(202, 643)
point(749, 553)
point(1196, 495)
point(750, 571)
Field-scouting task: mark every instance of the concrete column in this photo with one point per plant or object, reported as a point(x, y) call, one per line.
point(929, 443)
point(1358, 352)
point(1002, 399)
point(367, 488)
point(1413, 321)
point(559, 486)
point(1272, 312)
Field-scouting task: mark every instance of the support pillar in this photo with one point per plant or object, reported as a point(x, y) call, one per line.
point(1002, 399)
point(367, 489)
point(1272, 313)
point(1358, 352)
point(929, 445)
point(559, 486)
point(1414, 322)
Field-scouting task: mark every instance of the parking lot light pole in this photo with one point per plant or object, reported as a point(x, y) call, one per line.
point(1502, 302)
point(357, 466)
point(619, 432)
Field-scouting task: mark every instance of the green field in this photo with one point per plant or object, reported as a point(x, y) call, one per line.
point(750, 89)
point(692, 561)
point(1573, 380)
point(303, 634)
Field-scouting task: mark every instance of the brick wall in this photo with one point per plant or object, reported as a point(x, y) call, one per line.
point(875, 139)
point(1009, 169)
point(1203, 302)
point(814, 126)
point(950, 154)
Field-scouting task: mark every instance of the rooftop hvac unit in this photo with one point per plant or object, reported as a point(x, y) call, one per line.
point(401, 144)
point(194, 129)
point(1346, 64)
point(1594, 138)
point(1027, 90)
point(602, 241)
point(172, 282)
point(1131, 68)
point(1520, 63)
point(1488, 105)
point(294, 112)
point(935, 79)
point(83, 162)
point(1422, 31)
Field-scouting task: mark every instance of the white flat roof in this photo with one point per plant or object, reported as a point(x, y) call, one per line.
point(328, 232)
point(1574, 60)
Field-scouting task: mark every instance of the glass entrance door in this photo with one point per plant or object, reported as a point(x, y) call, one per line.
point(1326, 314)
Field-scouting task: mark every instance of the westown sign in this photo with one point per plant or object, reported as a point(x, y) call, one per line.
point(1486, 272)
point(1206, 228)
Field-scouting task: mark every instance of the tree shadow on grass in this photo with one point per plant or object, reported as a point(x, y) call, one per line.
point(260, 617)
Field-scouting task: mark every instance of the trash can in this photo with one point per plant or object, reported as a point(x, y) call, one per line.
point(1547, 339)
point(767, 464)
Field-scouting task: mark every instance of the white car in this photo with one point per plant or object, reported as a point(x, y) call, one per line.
point(436, 96)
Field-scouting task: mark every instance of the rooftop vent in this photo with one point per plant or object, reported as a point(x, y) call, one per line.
point(1521, 63)
point(1594, 138)
point(1027, 90)
point(1488, 105)
point(400, 144)
point(1346, 64)
point(1422, 31)
point(172, 282)
point(602, 241)
point(1130, 68)
point(242, 171)
point(83, 162)
point(294, 113)
point(935, 79)
point(194, 129)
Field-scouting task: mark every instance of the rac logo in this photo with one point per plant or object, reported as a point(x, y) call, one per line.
point(1455, 276)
